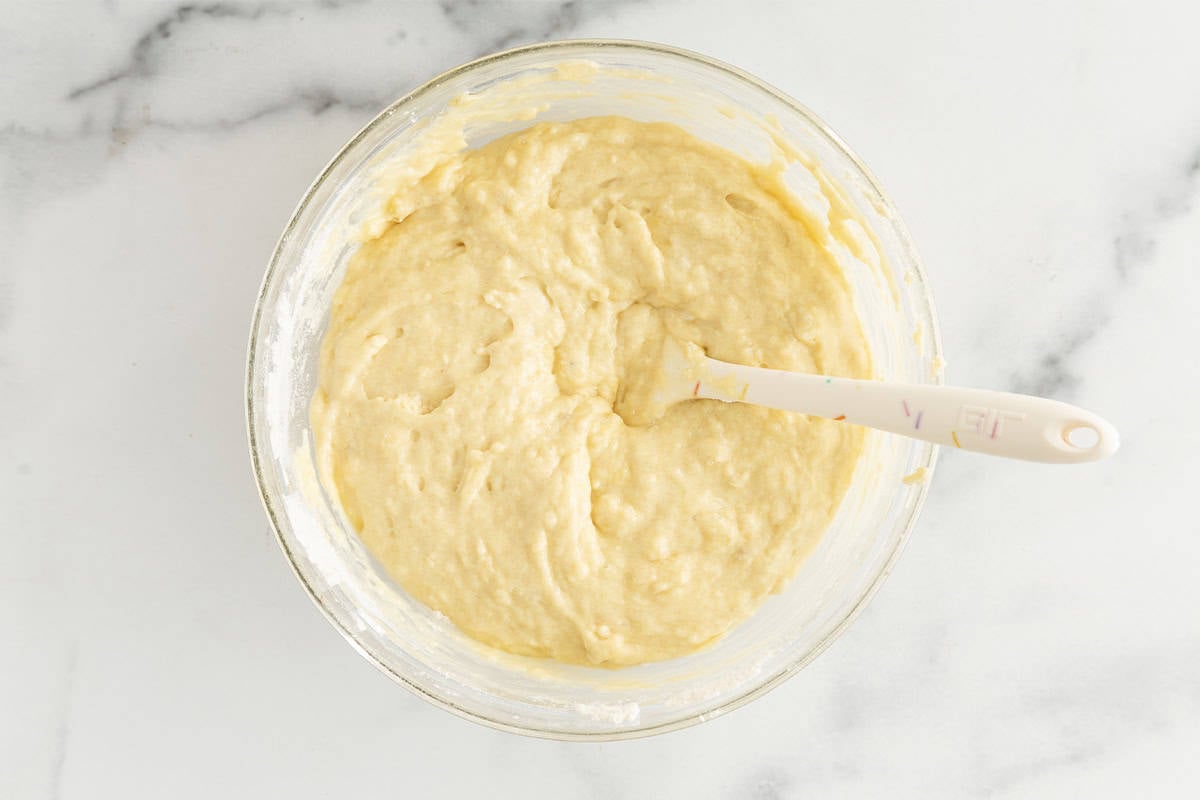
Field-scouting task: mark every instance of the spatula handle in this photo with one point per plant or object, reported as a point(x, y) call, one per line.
point(996, 423)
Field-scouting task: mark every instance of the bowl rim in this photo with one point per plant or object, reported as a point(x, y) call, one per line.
point(923, 307)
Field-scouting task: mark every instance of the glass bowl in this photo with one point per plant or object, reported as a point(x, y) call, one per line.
point(418, 647)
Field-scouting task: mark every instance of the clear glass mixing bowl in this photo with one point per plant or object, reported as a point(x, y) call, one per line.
point(421, 649)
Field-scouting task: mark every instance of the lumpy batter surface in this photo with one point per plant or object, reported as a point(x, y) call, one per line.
point(470, 412)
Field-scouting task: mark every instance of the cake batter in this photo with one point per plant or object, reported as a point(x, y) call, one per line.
point(471, 415)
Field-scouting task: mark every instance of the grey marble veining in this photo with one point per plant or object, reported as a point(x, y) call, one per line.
point(1037, 639)
point(496, 26)
point(118, 99)
point(141, 58)
point(149, 59)
point(1133, 252)
point(62, 733)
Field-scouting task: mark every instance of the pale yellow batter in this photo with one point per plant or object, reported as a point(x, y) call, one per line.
point(471, 415)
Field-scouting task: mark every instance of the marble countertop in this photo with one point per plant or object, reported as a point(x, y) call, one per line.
point(1039, 638)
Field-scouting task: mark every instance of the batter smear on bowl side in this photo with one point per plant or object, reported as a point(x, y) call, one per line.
point(475, 417)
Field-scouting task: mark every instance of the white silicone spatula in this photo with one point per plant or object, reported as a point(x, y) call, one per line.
point(996, 423)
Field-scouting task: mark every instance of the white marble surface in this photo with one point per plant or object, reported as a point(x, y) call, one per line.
point(1040, 637)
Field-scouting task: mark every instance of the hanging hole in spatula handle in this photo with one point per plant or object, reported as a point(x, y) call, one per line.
point(1081, 436)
